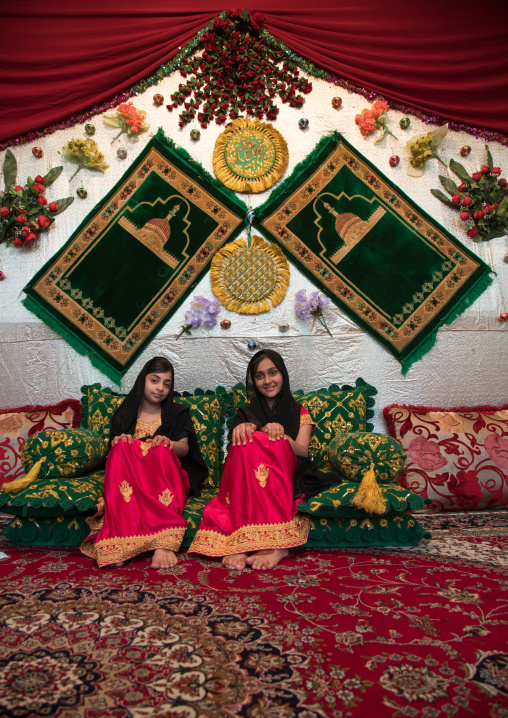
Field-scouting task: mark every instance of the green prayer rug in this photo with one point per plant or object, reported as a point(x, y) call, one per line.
point(363, 242)
point(136, 256)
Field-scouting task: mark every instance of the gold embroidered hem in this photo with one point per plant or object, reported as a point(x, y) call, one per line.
point(306, 419)
point(115, 550)
point(252, 538)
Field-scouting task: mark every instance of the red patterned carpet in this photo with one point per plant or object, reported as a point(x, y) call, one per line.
point(419, 632)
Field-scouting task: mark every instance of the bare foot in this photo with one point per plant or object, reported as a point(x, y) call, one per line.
point(267, 559)
point(236, 561)
point(163, 558)
point(119, 564)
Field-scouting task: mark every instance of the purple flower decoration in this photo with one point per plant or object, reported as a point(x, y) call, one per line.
point(305, 307)
point(202, 313)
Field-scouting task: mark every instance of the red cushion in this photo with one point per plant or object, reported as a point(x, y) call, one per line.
point(456, 457)
point(17, 425)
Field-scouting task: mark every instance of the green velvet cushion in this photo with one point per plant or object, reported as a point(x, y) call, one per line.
point(55, 531)
point(72, 452)
point(335, 502)
point(392, 530)
point(55, 497)
point(353, 453)
point(193, 513)
point(99, 405)
point(335, 410)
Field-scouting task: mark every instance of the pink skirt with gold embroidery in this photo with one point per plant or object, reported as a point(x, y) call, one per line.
point(254, 508)
point(145, 491)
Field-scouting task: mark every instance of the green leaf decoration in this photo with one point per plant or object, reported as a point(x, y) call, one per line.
point(460, 171)
point(62, 204)
point(448, 184)
point(496, 233)
point(440, 195)
point(52, 175)
point(490, 163)
point(10, 169)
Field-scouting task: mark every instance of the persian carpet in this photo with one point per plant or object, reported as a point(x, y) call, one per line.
point(379, 257)
point(135, 257)
point(418, 632)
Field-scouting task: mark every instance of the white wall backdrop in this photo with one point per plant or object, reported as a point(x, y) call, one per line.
point(468, 364)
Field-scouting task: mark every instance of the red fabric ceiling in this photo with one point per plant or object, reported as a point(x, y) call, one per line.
point(443, 58)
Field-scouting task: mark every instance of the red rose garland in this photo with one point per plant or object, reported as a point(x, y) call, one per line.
point(237, 73)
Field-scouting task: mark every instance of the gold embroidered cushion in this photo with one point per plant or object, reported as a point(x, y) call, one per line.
point(391, 530)
point(335, 502)
point(99, 406)
point(18, 425)
point(456, 457)
point(58, 530)
point(73, 452)
point(57, 496)
point(335, 410)
point(352, 455)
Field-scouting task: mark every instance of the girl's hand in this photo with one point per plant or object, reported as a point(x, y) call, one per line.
point(122, 437)
point(159, 439)
point(242, 432)
point(274, 431)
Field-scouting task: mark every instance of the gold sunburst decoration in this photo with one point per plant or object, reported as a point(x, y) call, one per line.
point(250, 156)
point(250, 278)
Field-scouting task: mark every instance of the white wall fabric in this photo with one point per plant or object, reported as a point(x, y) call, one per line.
point(467, 365)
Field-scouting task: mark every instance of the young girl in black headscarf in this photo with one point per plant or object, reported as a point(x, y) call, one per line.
point(255, 511)
point(153, 463)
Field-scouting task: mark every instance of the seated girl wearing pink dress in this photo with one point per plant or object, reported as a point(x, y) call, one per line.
point(153, 463)
point(255, 511)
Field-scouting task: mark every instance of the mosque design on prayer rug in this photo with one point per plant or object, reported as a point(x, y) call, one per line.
point(362, 241)
point(136, 256)
point(418, 631)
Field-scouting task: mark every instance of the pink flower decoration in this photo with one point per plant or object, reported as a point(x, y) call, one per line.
point(497, 448)
point(426, 454)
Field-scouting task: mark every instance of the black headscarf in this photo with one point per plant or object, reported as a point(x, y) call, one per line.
point(285, 409)
point(176, 422)
point(307, 478)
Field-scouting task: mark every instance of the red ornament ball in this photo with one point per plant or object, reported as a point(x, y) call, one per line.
point(225, 324)
point(394, 160)
point(336, 102)
point(158, 100)
point(504, 316)
point(37, 152)
point(464, 151)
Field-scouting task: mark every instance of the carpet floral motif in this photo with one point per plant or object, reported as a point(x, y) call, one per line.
point(327, 633)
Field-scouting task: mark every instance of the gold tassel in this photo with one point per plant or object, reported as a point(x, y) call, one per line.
point(23, 481)
point(369, 496)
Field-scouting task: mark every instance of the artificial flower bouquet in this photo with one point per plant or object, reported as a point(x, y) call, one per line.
point(374, 119)
point(24, 210)
point(481, 199)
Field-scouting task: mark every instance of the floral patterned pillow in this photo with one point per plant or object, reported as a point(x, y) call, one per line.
point(458, 457)
point(18, 425)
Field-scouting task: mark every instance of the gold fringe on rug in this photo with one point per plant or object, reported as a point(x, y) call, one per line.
point(369, 496)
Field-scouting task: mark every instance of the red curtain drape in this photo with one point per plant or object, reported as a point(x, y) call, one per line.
point(447, 59)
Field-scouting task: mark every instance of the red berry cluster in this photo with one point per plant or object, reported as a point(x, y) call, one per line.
point(482, 199)
point(237, 73)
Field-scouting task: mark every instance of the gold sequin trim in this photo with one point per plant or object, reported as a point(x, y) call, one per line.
point(306, 419)
point(114, 550)
point(146, 428)
point(252, 538)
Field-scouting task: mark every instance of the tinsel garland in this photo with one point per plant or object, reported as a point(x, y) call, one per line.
point(169, 67)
